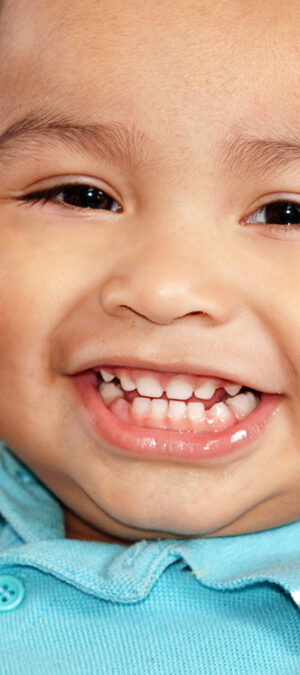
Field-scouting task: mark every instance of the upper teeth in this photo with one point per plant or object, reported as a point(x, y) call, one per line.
point(180, 387)
point(106, 376)
point(127, 383)
point(147, 385)
point(206, 390)
point(232, 389)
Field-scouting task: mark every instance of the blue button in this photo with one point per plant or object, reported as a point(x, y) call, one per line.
point(24, 476)
point(12, 592)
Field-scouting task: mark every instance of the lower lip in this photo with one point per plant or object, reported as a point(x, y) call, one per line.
point(171, 445)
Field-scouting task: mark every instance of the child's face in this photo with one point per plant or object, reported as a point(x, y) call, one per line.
point(184, 269)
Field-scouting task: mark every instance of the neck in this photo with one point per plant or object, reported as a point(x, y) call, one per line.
point(77, 528)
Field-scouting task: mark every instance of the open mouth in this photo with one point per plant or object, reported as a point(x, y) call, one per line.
point(175, 402)
point(155, 414)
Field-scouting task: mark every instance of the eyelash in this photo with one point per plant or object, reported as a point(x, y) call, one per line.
point(291, 207)
point(101, 197)
point(50, 195)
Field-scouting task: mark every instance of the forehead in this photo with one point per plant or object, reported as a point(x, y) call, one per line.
point(197, 64)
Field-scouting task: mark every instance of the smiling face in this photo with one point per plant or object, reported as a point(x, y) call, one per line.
point(176, 125)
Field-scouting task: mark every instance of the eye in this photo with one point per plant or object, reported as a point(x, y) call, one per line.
point(280, 212)
point(75, 195)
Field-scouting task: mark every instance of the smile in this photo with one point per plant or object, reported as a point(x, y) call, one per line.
point(154, 414)
point(177, 402)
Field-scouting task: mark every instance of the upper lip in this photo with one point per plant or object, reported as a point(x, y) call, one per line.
point(174, 368)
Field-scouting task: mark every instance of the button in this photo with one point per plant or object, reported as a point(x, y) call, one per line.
point(24, 476)
point(12, 592)
point(296, 596)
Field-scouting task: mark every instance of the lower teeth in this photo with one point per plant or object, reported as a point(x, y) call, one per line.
point(177, 415)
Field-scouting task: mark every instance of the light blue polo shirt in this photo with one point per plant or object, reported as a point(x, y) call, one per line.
point(219, 606)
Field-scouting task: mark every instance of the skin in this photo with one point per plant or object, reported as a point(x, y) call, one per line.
point(177, 277)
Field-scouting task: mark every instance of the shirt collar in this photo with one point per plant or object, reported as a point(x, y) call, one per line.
point(128, 573)
point(25, 503)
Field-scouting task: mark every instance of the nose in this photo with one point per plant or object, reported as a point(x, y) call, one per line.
point(163, 279)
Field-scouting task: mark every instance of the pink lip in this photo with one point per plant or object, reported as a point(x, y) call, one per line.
point(167, 444)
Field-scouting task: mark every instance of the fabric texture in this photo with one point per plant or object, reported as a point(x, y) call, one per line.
point(217, 606)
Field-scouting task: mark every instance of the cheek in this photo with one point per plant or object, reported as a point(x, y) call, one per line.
point(41, 280)
point(271, 283)
point(283, 307)
point(29, 309)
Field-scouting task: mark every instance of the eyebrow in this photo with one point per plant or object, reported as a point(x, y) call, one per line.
point(260, 155)
point(111, 141)
point(117, 142)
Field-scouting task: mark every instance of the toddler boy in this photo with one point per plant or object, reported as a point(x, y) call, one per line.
point(150, 362)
